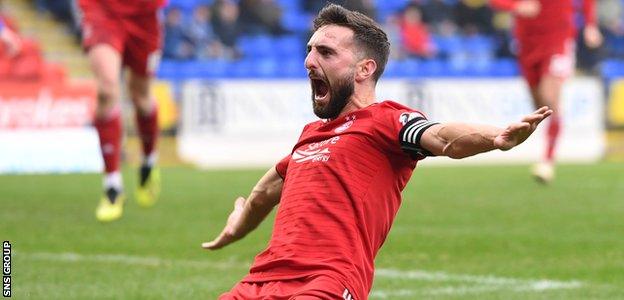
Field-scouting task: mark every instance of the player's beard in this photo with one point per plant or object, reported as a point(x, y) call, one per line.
point(340, 92)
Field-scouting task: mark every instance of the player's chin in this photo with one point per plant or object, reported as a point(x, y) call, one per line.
point(321, 108)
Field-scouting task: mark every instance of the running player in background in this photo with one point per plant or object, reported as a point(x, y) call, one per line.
point(546, 34)
point(340, 188)
point(118, 33)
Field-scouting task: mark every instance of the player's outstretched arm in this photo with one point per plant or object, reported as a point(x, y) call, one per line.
point(249, 213)
point(459, 140)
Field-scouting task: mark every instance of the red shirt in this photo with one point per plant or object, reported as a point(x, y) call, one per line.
point(342, 189)
point(125, 7)
point(555, 17)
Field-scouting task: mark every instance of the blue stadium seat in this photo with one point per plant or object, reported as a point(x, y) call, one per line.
point(289, 46)
point(612, 68)
point(187, 5)
point(257, 46)
point(291, 68)
point(265, 68)
point(448, 45)
point(297, 21)
point(240, 69)
point(166, 69)
point(433, 68)
point(393, 6)
point(392, 69)
point(211, 69)
point(505, 67)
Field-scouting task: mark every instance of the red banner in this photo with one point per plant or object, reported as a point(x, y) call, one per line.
point(37, 105)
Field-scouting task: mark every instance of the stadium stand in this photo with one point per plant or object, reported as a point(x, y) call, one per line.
point(460, 52)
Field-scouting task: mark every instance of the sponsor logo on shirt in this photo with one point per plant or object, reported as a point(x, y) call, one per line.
point(316, 152)
point(316, 155)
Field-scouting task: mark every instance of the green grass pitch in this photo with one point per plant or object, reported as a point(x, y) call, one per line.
point(486, 232)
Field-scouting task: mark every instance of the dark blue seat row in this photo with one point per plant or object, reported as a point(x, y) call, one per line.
point(293, 68)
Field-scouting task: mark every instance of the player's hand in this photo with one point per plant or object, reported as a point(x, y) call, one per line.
point(229, 234)
point(528, 8)
point(517, 133)
point(11, 41)
point(592, 36)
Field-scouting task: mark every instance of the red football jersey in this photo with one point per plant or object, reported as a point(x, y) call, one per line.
point(556, 17)
point(125, 7)
point(342, 189)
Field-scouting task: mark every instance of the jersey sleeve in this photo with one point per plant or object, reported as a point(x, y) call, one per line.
point(402, 128)
point(282, 166)
point(589, 12)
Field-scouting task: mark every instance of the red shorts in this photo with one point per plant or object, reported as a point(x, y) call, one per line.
point(540, 56)
point(136, 37)
point(310, 288)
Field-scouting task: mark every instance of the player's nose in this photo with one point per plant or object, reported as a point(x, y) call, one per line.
point(310, 62)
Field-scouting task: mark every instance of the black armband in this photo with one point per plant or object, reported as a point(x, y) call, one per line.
point(410, 135)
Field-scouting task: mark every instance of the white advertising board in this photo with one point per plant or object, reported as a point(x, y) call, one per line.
point(58, 150)
point(255, 123)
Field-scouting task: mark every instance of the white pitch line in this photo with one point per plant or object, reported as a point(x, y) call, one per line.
point(480, 284)
point(146, 261)
point(477, 279)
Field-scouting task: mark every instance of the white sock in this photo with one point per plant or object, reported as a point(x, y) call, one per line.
point(113, 180)
point(151, 159)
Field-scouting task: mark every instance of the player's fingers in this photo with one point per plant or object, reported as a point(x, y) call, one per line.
point(214, 244)
point(542, 109)
point(532, 118)
point(209, 245)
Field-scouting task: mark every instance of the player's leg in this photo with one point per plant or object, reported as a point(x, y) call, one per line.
point(105, 62)
point(146, 115)
point(142, 56)
point(556, 69)
point(547, 93)
point(103, 40)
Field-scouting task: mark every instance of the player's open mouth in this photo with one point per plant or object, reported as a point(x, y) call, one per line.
point(320, 89)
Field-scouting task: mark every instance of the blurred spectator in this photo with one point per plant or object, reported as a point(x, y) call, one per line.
point(11, 43)
point(201, 33)
point(226, 27)
point(177, 44)
point(21, 59)
point(474, 17)
point(60, 9)
point(261, 17)
point(438, 15)
point(611, 22)
point(415, 37)
point(503, 23)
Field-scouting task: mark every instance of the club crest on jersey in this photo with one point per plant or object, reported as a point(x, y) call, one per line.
point(406, 117)
point(344, 126)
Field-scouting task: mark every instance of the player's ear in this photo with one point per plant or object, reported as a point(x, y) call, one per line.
point(365, 69)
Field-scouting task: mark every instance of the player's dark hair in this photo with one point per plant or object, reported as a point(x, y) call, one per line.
point(366, 33)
